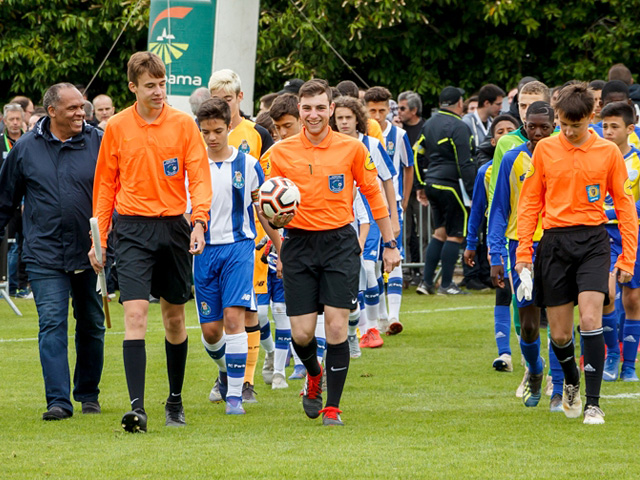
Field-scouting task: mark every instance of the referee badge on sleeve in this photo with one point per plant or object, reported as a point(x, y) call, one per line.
point(336, 183)
point(593, 193)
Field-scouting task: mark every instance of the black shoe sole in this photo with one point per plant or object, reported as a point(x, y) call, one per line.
point(312, 406)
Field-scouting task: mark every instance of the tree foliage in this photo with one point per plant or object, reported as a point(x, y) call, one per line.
point(44, 42)
point(424, 45)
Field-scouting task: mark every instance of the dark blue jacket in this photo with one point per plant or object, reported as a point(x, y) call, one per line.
point(56, 181)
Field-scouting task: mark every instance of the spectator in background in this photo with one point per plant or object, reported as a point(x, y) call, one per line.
point(103, 109)
point(27, 109)
point(470, 105)
point(266, 101)
point(88, 114)
point(489, 104)
point(38, 113)
point(596, 88)
point(197, 98)
point(291, 86)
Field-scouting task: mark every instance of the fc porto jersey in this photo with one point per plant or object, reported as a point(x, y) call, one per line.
point(399, 150)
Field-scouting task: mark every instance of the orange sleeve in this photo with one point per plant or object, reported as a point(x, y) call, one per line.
point(374, 130)
point(265, 163)
point(106, 183)
point(197, 166)
point(619, 187)
point(530, 205)
point(365, 174)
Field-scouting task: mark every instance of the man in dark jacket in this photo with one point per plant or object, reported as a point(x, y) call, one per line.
point(449, 177)
point(52, 167)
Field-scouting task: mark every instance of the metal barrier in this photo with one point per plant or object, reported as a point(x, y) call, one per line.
point(4, 273)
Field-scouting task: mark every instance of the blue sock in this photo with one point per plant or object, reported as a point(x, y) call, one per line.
point(502, 326)
point(610, 329)
point(531, 353)
point(621, 313)
point(380, 284)
point(283, 338)
point(361, 300)
point(630, 342)
point(265, 331)
point(557, 376)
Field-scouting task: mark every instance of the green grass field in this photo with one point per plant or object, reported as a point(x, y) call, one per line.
point(426, 405)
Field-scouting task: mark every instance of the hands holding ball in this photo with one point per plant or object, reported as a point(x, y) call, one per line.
point(278, 199)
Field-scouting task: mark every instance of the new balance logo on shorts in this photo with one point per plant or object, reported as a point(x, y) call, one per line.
point(246, 296)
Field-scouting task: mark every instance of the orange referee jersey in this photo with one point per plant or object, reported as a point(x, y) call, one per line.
point(325, 175)
point(141, 168)
point(568, 185)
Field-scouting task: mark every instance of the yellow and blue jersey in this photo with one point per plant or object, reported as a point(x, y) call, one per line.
point(503, 217)
point(632, 161)
point(479, 203)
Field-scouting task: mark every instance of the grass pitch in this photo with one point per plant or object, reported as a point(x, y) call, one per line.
point(425, 405)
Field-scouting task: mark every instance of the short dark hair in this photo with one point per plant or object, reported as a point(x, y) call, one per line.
point(596, 84)
point(264, 120)
point(489, 92)
point(620, 72)
point(377, 94)
point(502, 118)
point(348, 88)
point(52, 95)
point(315, 86)
point(214, 109)
point(268, 99)
point(144, 62)
point(619, 109)
point(356, 107)
point(285, 104)
point(575, 101)
point(541, 108)
point(614, 86)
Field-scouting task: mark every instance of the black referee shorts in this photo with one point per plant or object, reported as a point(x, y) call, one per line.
point(152, 255)
point(571, 260)
point(448, 209)
point(320, 268)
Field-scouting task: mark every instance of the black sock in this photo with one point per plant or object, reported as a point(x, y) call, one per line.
point(432, 257)
point(176, 361)
point(566, 356)
point(337, 364)
point(450, 253)
point(135, 365)
point(593, 364)
point(308, 356)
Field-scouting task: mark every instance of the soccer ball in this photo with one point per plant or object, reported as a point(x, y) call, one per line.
point(278, 195)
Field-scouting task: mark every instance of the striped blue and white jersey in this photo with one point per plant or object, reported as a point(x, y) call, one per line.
point(401, 154)
point(231, 218)
point(383, 163)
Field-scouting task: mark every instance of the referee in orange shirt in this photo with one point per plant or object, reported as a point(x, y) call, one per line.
point(568, 179)
point(321, 254)
point(146, 153)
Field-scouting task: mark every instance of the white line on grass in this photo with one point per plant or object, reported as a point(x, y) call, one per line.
point(190, 327)
point(622, 395)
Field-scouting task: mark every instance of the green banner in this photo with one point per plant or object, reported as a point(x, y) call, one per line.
point(181, 33)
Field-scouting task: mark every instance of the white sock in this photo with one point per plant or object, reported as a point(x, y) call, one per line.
point(382, 305)
point(320, 338)
point(371, 295)
point(214, 351)
point(394, 292)
point(354, 318)
point(283, 332)
point(236, 355)
point(263, 319)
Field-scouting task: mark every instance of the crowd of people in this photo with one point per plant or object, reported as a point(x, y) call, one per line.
point(536, 186)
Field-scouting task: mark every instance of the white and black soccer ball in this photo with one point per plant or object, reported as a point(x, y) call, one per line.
point(278, 195)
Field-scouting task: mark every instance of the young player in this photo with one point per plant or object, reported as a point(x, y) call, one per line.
point(349, 118)
point(320, 254)
point(254, 140)
point(223, 273)
point(566, 183)
point(399, 149)
point(617, 125)
point(617, 91)
point(539, 123)
point(479, 205)
point(146, 152)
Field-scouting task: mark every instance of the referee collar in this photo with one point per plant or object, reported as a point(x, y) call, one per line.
point(584, 147)
point(326, 141)
point(142, 122)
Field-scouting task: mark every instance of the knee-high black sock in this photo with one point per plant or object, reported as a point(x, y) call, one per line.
point(308, 356)
point(176, 361)
point(450, 253)
point(566, 356)
point(337, 363)
point(432, 257)
point(593, 364)
point(135, 366)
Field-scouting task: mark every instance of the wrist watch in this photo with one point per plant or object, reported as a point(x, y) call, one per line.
point(201, 222)
point(393, 243)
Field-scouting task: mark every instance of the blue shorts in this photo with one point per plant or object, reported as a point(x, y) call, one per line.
point(615, 241)
point(223, 277)
point(275, 288)
point(515, 278)
point(373, 243)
